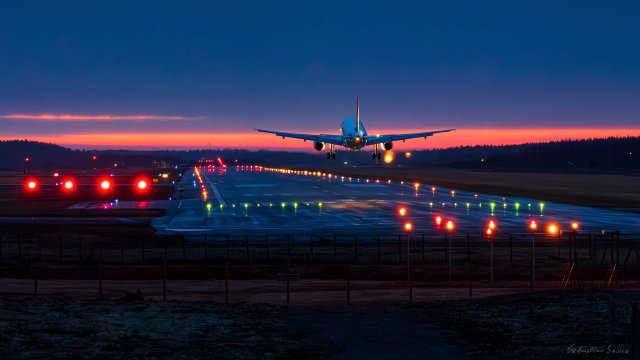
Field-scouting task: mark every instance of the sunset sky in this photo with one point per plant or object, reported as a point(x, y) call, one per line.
point(162, 74)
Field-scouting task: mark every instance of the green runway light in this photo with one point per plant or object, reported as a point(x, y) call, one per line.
point(320, 204)
point(468, 205)
point(455, 204)
point(442, 204)
point(220, 206)
point(233, 205)
point(270, 204)
point(517, 205)
point(493, 206)
point(529, 205)
point(541, 207)
point(430, 204)
point(283, 205)
point(209, 206)
point(480, 205)
point(246, 205)
point(504, 205)
point(258, 204)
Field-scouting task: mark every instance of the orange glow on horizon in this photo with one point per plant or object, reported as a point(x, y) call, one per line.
point(171, 139)
point(75, 117)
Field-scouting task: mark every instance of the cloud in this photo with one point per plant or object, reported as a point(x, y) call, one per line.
point(102, 117)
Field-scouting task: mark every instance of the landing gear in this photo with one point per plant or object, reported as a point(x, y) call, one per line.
point(376, 154)
point(331, 154)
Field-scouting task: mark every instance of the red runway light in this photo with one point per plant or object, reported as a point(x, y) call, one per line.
point(492, 224)
point(402, 211)
point(142, 184)
point(68, 185)
point(489, 231)
point(105, 185)
point(533, 225)
point(438, 220)
point(31, 185)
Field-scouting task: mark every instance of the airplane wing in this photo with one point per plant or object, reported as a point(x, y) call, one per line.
point(325, 138)
point(375, 139)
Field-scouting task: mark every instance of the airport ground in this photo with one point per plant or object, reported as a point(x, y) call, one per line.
point(602, 191)
point(102, 251)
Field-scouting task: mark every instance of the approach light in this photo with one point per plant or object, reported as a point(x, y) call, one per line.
point(450, 225)
point(388, 157)
point(31, 185)
point(492, 224)
point(552, 229)
point(575, 225)
point(408, 226)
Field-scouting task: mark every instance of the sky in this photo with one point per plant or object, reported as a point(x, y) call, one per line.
point(163, 74)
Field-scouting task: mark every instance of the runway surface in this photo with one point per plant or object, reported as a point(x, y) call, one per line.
point(260, 201)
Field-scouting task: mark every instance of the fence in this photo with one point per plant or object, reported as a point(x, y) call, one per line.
point(383, 265)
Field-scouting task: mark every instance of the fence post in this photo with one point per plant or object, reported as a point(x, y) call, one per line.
point(227, 256)
point(246, 244)
point(19, 245)
point(39, 248)
point(399, 249)
point(378, 241)
point(60, 248)
point(348, 275)
point(635, 331)
point(0, 248)
point(100, 275)
point(311, 248)
point(424, 257)
point(206, 255)
point(335, 249)
point(164, 272)
point(142, 249)
point(468, 249)
point(355, 249)
point(288, 249)
point(266, 245)
point(511, 250)
point(80, 247)
point(184, 250)
point(122, 254)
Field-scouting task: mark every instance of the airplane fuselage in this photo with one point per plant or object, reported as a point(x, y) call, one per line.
point(354, 139)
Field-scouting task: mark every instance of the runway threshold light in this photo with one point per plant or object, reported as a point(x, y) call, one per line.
point(438, 220)
point(105, 185)
point(31, 185)
point(492, 224)
point(402, 211)
point(68, 185)
point(533, 225)
point(142, 185)
point(408, 226)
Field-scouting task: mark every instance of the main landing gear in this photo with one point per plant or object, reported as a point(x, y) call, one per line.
point(331, 154)
point(376, 154)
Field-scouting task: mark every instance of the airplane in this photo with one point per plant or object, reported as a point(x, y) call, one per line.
point(354, 137)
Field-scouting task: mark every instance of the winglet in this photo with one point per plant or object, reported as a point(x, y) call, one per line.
point(357, 113)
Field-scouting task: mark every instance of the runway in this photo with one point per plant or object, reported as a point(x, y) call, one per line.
point(261, 201)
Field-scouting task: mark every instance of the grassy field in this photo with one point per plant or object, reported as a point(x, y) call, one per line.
point(604, 191)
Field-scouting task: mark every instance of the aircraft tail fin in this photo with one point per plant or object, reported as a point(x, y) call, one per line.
point(357, 113)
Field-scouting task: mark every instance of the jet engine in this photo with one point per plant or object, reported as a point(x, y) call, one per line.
point(387, 145)
point(318, 146)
